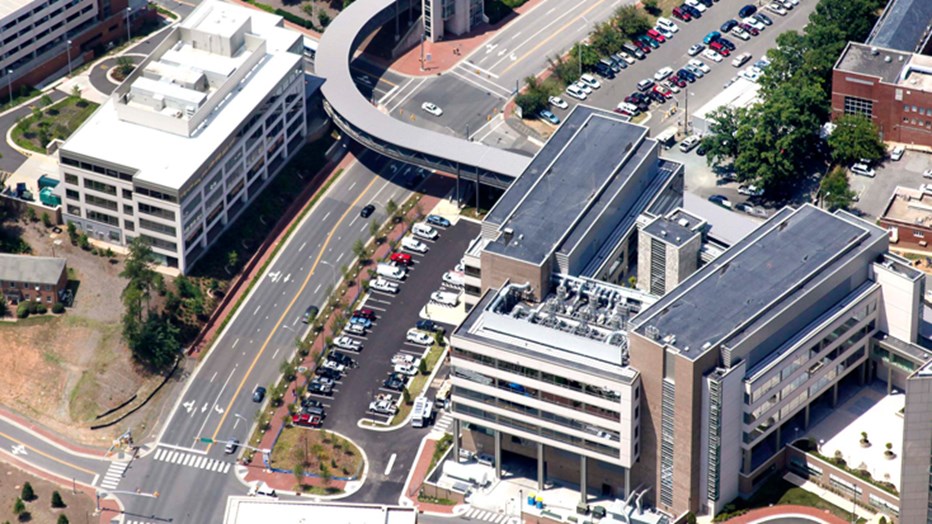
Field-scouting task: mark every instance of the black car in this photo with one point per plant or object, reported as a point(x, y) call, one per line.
point(702, 149)
point(693, 12)
point(707, 3)
point(720, 200)
point(395, 382)
point(746, 11)
point(258, 394)
point(332, 374)
point(311, 403)
point(342, 359)
point(657, 97)
point(641, 103)
point(687, 75)
point(728, 25)
point(319, 388)
point(426, 325)
point(604, 71)
point(367, 211)
point(310, 314)
point(764, 19)
point(727, 43)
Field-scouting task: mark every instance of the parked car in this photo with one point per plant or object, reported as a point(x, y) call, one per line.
point(383, 406)
point(365, 312)
point(327, 375)
point(649, 41)
point(336, 366)
point(699, 64)
point(776, 9)
point(444, 298)
point(694, 70)
point(721, 200)
point(412, 244)
point(668, 24)
point(432, 108)
point(677, 81)
point(763, 18)
point(657, 97)
point(401, 259)
point(406, 369)
point(395, 382)
point(680, 14)
point(623, 108)
point(385, 286)
point(686, 75)
point(747, 11)
point(712, 55)
point(310, 314)
point(426, 325)
point(740, 33)
point(437, 220)
point(730, 23)
point(690, 143)
point(367, 211)
point(656, 36)
point(762, 64)
point(740, 60)
point(354, 329)
point(548, 116)
point(456, 279)
point(666, 34)
point(750, 190)
point(754, 22)
point(366, 323)
point(348, 343)
point(645, 85)
point(590, 81)
point(258, 394)
point(663, 91)
point(693, 12)
point(863, 169)
point(662, 73)
point(419, 337)
point(318, 387)
point(750, 73)
point(558, 102)
point(342, 359)
point(927, 173)
point(749, 29)
point(625, 57)
point(711, 37)
point(696, 4)
point(404, 358)
point(897, 153)
point(424, 231)
point(576, 92)
point(669, 85)
point(720, 48)
point(727, 43)
point(695, 49)
point(306, 420)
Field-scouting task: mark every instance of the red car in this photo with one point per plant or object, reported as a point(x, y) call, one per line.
point(677, 80)
point(656, 36)
point(642, 46)
point(663, 91)
point(682, 15)
point(305, 419)
point(365, 313)
point(719, 48)
point(753, 31)
point(401, 258)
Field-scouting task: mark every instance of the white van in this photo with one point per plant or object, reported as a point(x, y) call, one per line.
point(422, 412)
point(390, 271)
point(424, 231)
point(412, 244)
point(262, 490)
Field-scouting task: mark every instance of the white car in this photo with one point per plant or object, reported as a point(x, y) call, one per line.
point(690, 143)
point(750, 190)
point(590, 81)
point(712, 55)
point(776, 8)
point(927, 173)
point(418, 337)
point(740, 60)
point(345, 342)
point(695, 49)
point(697, 4)
point(558, 102)
point(663, 73)
point(670, 86)
point(864, 170)
point(755, 23)
point(700, 65)
point(355, 329)
point(380, 284)
point(576, 92)
point(749, 74)
point(740, 33)
point(383, 407)
point(406, 369)
point(454, 279)
point(626, 57)
point(412, 244)
point(584, 87)
point(447, 299)
point(897, 153)
point(432, 108)
point(403, 358)
point(668, 24)
point(663, 31)
point(336, 366)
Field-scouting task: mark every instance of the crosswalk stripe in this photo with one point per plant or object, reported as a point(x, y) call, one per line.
point(200, 460)
point(158, 453)
point(226, 468)
point(189, 459)
point(179, 458)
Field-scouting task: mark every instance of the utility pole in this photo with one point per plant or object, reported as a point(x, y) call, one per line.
point(423, 36)
point(9, 83)
point(69, 57)
point(129, 30)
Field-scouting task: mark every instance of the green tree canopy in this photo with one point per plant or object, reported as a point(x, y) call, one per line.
point(606, 39)
point(721, 143)
point(631, 21)
point(854, 138)
point(835, 191)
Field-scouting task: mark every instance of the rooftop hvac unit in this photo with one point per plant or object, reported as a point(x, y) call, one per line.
point(652, 332)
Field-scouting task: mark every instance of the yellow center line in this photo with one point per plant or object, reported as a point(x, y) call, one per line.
point(552, 35)
point(307, 279)
point(46, 455)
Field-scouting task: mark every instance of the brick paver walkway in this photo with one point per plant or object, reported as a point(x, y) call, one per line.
point(774, 511)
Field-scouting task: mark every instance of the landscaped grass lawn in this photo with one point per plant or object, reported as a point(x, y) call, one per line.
point(777, 491)
point(319, 451)
point(59, 120)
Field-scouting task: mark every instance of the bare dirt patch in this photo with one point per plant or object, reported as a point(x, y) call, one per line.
point(63, 371)
point(79, 508)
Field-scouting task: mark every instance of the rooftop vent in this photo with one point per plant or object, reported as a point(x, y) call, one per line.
point(875, 51)
point(887, 59)
point(509, 232)
point(683, 222)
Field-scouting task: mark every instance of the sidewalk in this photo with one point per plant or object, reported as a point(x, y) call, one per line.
point(284, 482)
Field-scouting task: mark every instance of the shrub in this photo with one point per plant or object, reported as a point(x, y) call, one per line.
point(57, 502)
point(323, 18)
point(28, 494)
point(40, 309)
point(46, 220)
point(18, 506)
point(22, 310)
point(62, 519)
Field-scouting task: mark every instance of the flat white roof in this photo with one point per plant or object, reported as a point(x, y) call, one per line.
point(166, 159)
point(11, 6)
point(742, 93)
point(255, 510)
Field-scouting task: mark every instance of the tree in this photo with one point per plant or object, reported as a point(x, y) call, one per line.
point(533, 98)
point(125, 66)
point(156, 342)
point(138, 270)
point(837, 194)
point(392, 208)
point(325, 474)
point(651, 7)
point(232, 259)
point(587, 54)
point(18, 506)
point(374, 229)
point(359, 249)
point(606, 39)
point(62, 519)
point(720, 143)
point(567, 70)
point(854, 138)
point(46, 220)
point(786, 59)
point(27, 493)
point(57, 501)
point(72, 233)
point(298, 471)
point(631, 21)
point(31, 215)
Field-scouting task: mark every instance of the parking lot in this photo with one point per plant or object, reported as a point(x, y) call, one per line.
point(673, 54)
point(394, 315)
point(873, 193)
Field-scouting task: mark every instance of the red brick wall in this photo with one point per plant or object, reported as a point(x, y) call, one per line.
point(888, 112)
point(907, 238)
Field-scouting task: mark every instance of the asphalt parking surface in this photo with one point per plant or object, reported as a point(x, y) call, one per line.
point(395, 314)
point(874, 193)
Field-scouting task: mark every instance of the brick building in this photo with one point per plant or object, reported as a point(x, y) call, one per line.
point(24, 277)
point(908, 218)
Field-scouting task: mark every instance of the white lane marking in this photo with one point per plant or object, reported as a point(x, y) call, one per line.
point(386, 95)
point(499, 124)
point(257, 310)
point(214, 376)
point(350, 188)
point(533, 37)
point(482, 87)
point(407, 96)
point(340, 257)
point(275, 354)
point(391, 462)
point(219, 393)
point(324, 220)
point(302, 247)
point(317, 288)
point(235, 343)
point(487, 124)
point(515, 35)
point(386, 99)
point(472, 68)
point(182, 448)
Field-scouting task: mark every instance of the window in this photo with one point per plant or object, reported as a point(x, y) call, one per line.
point(71, 194)
point(918, 234)
point(100, 202)
point(71, 179)
point(102, 217)
point(129, 225)
point(155, 226)
point(74, 210)
point(127, 210)
point(100, 186)
point(858, 106)
point(127, 194)
point(156, 211)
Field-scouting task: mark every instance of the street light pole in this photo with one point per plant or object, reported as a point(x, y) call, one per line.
point(69, 57)
point(129, 30)
point(9, 83)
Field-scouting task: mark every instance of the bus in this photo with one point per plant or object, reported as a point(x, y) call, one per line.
point(310, 48)
point(422, 413)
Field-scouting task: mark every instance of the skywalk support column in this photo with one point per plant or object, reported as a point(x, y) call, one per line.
point(498, 454)
point(540, 467)
point(583, 477)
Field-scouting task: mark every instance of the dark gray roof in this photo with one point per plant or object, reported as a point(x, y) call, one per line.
point(771, 265)
point(34, 270)
point(904, 25)
point(591, 151)
point(860, 58)
point(312, 84)
point(669, 231)
point(332, 62)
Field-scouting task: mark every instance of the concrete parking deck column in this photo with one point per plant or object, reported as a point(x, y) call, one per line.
point(498, 454)
point(540, 466)
point(583, 477)
point(456, 440)
point(746, 466)
point(835, 394)
point(806, 419)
